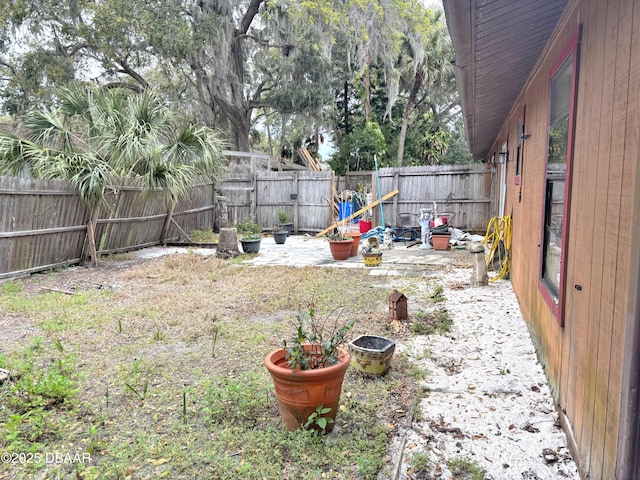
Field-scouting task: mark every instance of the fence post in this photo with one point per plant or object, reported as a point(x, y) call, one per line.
point(167, 222)
point(296, 206)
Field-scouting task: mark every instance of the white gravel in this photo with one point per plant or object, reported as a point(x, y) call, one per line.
point(487, 399)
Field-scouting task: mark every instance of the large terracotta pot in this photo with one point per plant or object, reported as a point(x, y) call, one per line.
point(340, 249)
point(356, 243)
point(299, 392)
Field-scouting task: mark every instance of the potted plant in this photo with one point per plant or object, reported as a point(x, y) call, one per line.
point(250, 236)
point(340, 244)
point(371, 252)
point(280, 234)
point(355, 245)
point(308, 372)
point(283, 222)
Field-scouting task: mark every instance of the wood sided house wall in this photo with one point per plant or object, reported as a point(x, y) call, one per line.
point(579, 326)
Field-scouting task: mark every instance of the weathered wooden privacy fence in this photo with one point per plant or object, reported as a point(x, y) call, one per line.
point(306, 196)
point(43, 223)
point(465, 190)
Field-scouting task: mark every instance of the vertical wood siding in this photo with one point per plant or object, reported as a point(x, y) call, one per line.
point(583, 360)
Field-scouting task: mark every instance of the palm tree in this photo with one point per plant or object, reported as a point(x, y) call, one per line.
point(97, 137)
point(423, 65)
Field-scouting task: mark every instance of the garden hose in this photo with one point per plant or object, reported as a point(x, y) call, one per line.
point(498, 242)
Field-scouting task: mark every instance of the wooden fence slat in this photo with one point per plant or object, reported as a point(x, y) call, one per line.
point(44, 222)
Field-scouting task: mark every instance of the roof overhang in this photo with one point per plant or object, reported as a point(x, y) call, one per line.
point(497, 43)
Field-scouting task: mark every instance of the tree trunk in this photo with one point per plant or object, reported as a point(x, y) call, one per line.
point(167, 223)
point(403, 134)
point(366, 83)
point(91, 249)
point(228, 243)
point(415, 88)
point(346, 108)
point(222, 214)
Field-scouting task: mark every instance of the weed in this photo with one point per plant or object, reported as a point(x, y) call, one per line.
point(417, 373)
point(36, 344)
point(10, 288)
point(40, 389)
point(421, 464)
point(239, 259)
point(464, 468)
point(139, 393)
point(158, 336)
point(431, 323)
point(136, 379)
point(37, 386)
point(184, 407)
point(318, 419)
point(505, 371)
point(243, 400)
point(438, 294)
point(215, 329)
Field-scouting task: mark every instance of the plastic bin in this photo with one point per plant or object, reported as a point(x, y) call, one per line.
point(364, 226)
point(345, 210)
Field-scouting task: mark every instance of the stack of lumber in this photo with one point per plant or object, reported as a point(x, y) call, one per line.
point(310, 162)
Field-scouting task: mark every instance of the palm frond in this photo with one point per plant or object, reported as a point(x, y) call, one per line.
point(98, 135)
point(17, 154)
point(199, 147)
point(46, 128)
point(175, 180)
point(149, 118)
point(77, 100)
point(84, 172)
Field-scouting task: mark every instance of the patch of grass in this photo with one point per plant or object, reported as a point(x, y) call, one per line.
point(465, 469)
point(167, 379)
point(54, 311)
point(241, 258)
point(116, 257)
point(430, 323)
point(438, 294)
point(203, 236)
point(37, 399)
point(158, 336)
point(10, 288)
point(244, 400)
point(421, 464)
